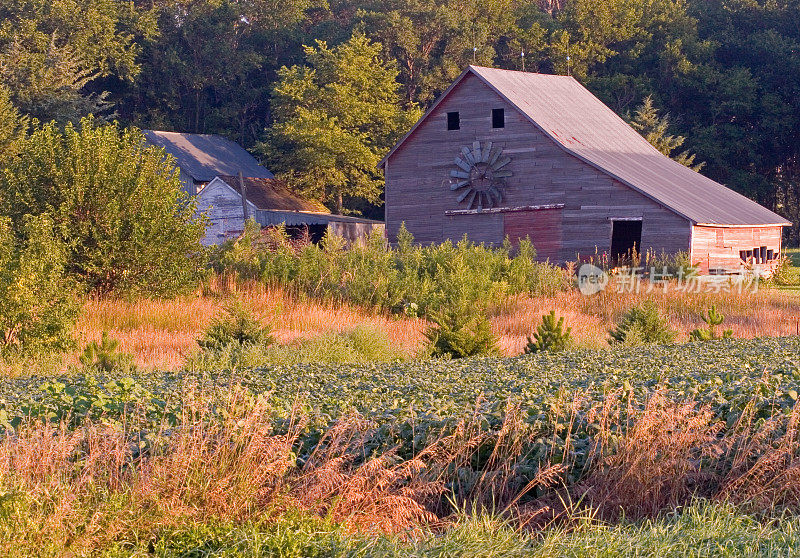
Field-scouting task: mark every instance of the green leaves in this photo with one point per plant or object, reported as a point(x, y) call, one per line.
point(38, 306)
point(550, 335)
point(115, 202)
point(334, 120)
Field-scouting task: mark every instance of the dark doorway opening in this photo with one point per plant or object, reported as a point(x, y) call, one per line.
point(626, 241)
point(308, 233)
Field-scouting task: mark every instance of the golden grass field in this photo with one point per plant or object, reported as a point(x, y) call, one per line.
point(162, 333)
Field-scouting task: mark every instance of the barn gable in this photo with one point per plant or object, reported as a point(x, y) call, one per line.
point(570, 206)
point(579, 123)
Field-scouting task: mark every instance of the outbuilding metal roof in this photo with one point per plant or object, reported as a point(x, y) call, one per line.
point(204, 156)
point(582, 125)
point(272, 194)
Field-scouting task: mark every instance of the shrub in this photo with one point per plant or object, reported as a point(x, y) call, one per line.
point(642, 325)
point(116, 202)
point(38, 305)
point(460, 329)
point(237, 327)
point(785, 274)
point(550, 335)
point(105, 356)
point(406, 278)
point(712, 319)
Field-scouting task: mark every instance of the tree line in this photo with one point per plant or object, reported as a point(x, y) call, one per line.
point(726, 72)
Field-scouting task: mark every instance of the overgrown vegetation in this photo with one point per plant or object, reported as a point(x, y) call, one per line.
point(550, 335)
point(116, 204)
point(619, 439)
point(391, 279)
point(712, 318)
point(642, 325)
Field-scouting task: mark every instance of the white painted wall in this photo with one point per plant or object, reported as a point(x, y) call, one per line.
point(223, 208)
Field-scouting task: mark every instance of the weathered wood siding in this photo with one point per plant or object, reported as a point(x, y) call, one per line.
point(717, 248)
point(543, 227)
point(223, 208)
point(418, 192)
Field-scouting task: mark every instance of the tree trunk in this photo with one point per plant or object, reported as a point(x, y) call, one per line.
point(339, 203)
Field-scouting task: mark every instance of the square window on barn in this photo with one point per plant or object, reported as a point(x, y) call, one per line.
point(498, 118)
point(453, 121)
point(770, 255)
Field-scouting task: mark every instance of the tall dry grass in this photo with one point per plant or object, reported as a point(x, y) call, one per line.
point(162, 333)
point(763, 313)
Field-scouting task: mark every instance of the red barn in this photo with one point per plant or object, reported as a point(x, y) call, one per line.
point(514, 154)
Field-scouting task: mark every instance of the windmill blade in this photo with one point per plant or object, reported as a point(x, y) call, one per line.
point(462, 164)
point(476, 150)
point(463, 195)
point(459, 185)
point(479, 199)
point(495, 156)
point(468, 155)
point(487, 150)
point(496, 194)
point(500, 164)
point(458, 174)
point(503, 174)
point(471, 199)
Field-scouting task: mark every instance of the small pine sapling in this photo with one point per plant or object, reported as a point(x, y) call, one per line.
point(642, 325)
point(550, 335)
point(236, 327)
point(712, 319)
point(104, 355)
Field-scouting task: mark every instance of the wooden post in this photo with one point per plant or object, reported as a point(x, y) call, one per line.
point(243, 191)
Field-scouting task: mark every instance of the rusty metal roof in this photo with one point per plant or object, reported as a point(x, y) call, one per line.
point(272, 194)
point(204, 156)
point(582, 125)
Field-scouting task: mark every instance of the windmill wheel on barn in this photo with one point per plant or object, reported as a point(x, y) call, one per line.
point(480, 178)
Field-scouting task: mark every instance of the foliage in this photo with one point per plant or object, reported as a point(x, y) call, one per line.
point(359, 345)
point(642, 324)
point(115, 202)
point(53, 51)
point(334, 120)
point(13, 127)
point(654, 128)
point(785, 273)
point(38, 306)
point(550, 335)
point(460, 329)
point(398, 278)
point(104, 355)
point(238, 326)
point(712, 318)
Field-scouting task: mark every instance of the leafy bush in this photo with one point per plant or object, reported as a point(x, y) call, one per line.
point(460, 328)
point(38, 304)
point(105, 355)
point(116, 202)
point(405, 278)
point(712, 319)
point(550, 335)
point(360, 345)
point(785, 274)
point(237, 327)
point(642, 325)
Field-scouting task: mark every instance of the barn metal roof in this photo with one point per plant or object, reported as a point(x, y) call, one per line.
point(272, 194)
point(204, 156)
point(581, 124)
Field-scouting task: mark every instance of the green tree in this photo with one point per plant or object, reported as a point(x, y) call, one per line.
point(655, 129)
point(52, 53)
point(37, 302)
point(116, 203)
point(13, 127)
point(334, 119)
point(550, 335)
